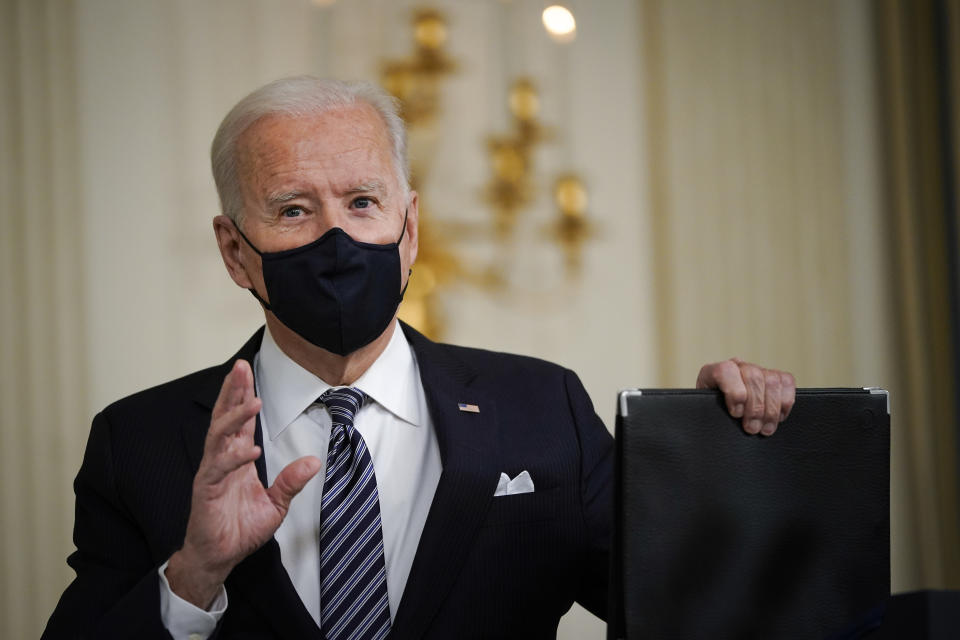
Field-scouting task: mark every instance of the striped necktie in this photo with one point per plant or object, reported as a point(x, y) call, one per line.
point(353, 577)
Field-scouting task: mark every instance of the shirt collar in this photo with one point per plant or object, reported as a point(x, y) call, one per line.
point(287, 389)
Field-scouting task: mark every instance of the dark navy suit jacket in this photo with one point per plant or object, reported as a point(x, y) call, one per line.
point(485, 567)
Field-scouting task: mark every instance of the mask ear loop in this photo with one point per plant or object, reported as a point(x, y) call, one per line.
point(246, 239)
point(406, 212)
point(409, 274)
point(403, 230)
point(259, 299)
point(252, 291)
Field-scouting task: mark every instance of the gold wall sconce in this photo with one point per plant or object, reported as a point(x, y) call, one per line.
point(416, 81)
point(511, 188)
point(572, 229)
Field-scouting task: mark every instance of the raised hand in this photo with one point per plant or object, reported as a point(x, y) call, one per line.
point(231, 514)
point(761, 397)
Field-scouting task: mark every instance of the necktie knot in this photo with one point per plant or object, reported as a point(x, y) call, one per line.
point(343, 403)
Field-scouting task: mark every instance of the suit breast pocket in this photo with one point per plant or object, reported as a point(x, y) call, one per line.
point(539, 505)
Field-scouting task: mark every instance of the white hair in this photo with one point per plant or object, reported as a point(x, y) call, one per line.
point(298, 96)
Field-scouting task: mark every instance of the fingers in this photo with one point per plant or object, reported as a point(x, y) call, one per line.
point(292, 480)
point(236, 405)
point(761, 397)
point(236, 388)
point(771, 402)
point(726, 377)
point(229, 441)
point(788, 394)
point(229, 444)
point(755, 381)
point(238, 421)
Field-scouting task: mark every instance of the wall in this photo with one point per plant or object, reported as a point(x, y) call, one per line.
point(728, 148)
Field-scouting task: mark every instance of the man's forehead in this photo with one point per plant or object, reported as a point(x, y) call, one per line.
point(349, 143)
point(351, 122)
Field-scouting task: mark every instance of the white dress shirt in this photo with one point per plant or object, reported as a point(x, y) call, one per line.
point(399, 434)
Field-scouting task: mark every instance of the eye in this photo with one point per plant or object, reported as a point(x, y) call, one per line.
point(363, 202)
point(292, 212)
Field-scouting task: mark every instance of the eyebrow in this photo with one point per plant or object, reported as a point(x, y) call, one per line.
point(283, 196)
point(374, 186)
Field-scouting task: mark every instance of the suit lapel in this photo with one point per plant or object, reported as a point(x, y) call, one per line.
point(267, 587)
point(260, 577)
point(206, 396)
point(195, 434)
point(467, 483)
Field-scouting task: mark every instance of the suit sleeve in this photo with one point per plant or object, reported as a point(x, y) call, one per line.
point(596, 498)
point(116, 590)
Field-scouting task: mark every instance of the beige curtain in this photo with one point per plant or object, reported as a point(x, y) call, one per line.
point(920, 67)
point(42, 337)
point(769, 186)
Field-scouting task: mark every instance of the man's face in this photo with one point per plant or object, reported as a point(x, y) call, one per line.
point(301, 176)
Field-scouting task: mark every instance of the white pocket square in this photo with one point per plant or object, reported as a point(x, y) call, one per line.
point(523, 483)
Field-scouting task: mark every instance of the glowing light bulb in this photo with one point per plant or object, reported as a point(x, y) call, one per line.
point(559, 23)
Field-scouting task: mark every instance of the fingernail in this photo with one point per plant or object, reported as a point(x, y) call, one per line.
point(753, 426)
point(768, 429)
point(737, 411)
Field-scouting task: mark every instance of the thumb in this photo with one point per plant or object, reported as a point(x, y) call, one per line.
point(292, 480)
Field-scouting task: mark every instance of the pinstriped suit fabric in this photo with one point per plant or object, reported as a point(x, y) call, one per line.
point(486, 567)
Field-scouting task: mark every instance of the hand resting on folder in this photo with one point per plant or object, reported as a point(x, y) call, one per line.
point(761, 397)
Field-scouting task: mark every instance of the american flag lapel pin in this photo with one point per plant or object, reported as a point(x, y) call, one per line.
point(469, 408)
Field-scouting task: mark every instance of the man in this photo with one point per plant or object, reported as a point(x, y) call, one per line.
point(446, 492)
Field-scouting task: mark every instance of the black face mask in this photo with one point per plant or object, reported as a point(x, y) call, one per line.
point(336, 293)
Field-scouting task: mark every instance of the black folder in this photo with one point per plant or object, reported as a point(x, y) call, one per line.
point(720, 534)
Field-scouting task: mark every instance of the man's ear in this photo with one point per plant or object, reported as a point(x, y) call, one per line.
point(231, 250)
point(412, 235)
